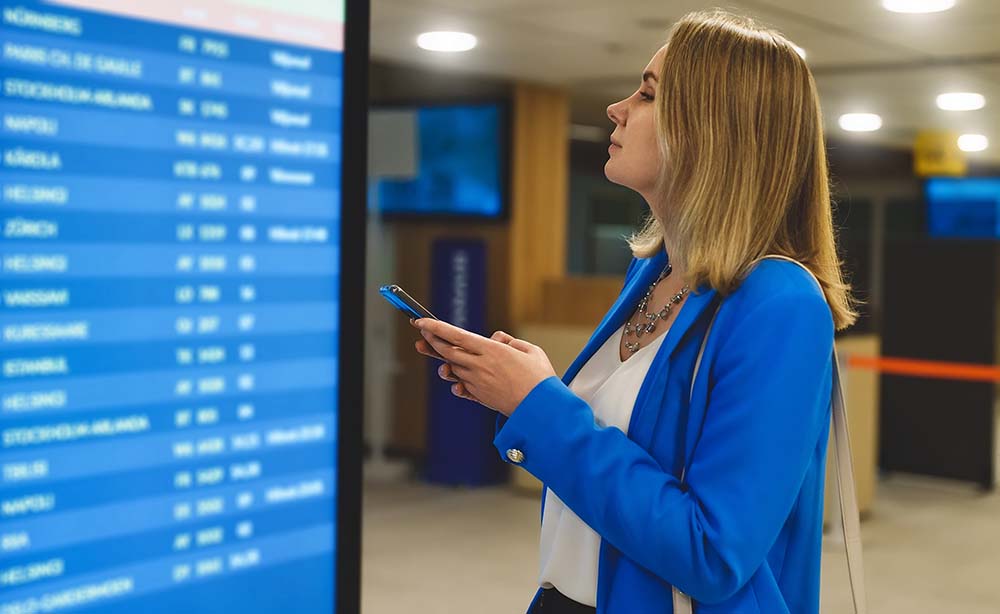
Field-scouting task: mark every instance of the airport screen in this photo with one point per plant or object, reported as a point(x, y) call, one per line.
point(967, 207)
point(456, 156)
point(170, 306)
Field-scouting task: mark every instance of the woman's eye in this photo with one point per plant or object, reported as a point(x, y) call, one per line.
point(645, 96)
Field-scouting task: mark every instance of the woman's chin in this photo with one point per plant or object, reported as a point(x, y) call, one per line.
point(609, 171)
point(613, 176)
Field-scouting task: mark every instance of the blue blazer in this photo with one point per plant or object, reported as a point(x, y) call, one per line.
point(743, 533)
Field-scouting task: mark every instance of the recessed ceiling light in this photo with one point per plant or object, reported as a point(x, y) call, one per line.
point(973, 142)
point(917, 6)
point(961, 101)
point(800, 51)
point(450, 42)
point(860, 122)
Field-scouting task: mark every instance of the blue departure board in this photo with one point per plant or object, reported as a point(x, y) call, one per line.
point(169, 306)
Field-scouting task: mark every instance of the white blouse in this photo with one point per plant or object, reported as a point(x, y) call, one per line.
point(569, 548)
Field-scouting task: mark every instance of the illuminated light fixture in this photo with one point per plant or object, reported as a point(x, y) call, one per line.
point(860, 122)
point(448, 42)
point(973, 142)
point(800, 51)
point(917, 6)
point(961, 101)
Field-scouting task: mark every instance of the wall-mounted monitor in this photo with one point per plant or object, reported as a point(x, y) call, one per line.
point(439, 161)
point(967, 207)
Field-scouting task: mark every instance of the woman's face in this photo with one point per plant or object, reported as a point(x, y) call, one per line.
point(635, 156)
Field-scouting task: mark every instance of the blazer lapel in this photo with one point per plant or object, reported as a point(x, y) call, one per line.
point(626, 303)
point(649, 269)
point(649, 403)
point(694, 306)
point(652, 394)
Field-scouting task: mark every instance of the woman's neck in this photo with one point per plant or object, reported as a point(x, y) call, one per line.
point(677, 271)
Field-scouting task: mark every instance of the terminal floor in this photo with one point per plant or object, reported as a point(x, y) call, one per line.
point(930, 546)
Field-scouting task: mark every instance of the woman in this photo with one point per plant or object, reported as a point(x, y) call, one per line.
point(653, 481)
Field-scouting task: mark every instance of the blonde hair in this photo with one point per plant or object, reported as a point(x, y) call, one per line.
point(745, 174)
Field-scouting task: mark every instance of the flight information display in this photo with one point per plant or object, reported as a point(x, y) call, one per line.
point(169, 306)
point(963, 207)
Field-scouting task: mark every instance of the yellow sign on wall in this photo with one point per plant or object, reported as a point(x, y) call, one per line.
point(936, 152)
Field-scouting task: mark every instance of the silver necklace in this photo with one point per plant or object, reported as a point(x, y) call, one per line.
point(638, 329)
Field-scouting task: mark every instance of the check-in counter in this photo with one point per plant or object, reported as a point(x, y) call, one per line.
point(861, 390)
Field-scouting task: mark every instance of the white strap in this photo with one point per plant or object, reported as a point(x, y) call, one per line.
point(849, 517)
point(845, 478)
point(682, 602)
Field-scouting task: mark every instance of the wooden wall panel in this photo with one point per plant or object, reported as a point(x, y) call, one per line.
point(522, 254)
point(578, 300)
point(540, 178)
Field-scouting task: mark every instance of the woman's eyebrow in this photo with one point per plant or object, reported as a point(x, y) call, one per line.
point(648, 75)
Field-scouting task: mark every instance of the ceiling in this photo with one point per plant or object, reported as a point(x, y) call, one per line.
point(864, 58)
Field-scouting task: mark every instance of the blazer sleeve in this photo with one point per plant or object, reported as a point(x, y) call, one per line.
point(768, 401)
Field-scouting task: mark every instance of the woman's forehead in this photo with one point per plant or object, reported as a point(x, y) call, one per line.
point(656, 61)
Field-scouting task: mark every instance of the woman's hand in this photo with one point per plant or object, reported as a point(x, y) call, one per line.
point(497, 372)
point(444, 371)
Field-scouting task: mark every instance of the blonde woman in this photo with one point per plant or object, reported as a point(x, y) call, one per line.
point(653, 481)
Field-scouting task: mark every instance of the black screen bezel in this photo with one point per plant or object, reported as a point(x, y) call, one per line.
point(354, 143)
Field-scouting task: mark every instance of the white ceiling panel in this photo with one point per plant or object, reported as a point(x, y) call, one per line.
point(864, 57)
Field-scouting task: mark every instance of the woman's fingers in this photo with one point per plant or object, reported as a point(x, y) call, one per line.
point(453, 335)
point(521, 344)
point(425, 348)
point(502, 337)
point(451, 353)
point(459, 390)
point(514, 342)
point(464, 374)
point(445, 372)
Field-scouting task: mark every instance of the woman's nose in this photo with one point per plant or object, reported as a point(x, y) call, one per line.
point(616, 113)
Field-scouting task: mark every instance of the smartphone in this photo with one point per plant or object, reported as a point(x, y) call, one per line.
point(404, 302)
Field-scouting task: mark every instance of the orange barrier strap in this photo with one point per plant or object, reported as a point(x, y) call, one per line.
point(927, 368)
